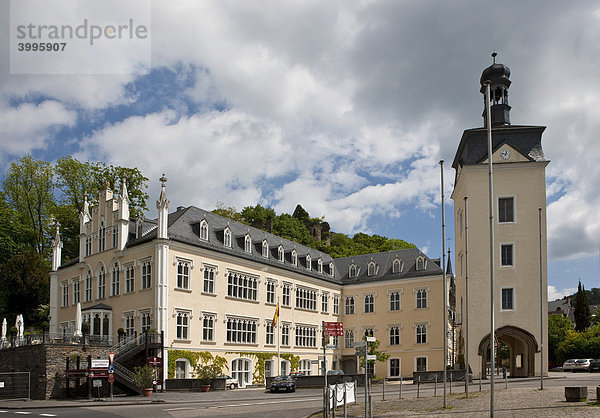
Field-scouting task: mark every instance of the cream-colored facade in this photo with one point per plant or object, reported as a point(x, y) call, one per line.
point(212, 284)
point(520, 276)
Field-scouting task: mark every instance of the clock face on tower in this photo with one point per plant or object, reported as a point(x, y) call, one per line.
point(505, 154)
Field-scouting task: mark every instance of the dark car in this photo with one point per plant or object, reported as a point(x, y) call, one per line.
point(595, 365)
point(283, 383)
point(335, 373)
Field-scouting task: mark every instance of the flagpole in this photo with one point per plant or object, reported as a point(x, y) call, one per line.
point(278, 340)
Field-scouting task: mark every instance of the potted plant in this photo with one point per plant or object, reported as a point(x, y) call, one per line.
point(143, 377)
point(208, 368)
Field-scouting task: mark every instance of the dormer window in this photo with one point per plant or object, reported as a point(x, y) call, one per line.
point(227, 237)
point(294, 258)
point(265, 249)
point(331, 269)
point(248, 243)
point(372, 270)
point(308, 262)
point(280, 254)
point(204, 230)
point(352, 271)
point(320, 266)
point(421, 264)
point(397, 266)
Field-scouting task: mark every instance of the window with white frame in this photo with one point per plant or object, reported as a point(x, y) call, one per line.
point(421, 364)
point(331, 269)
point(227, 237)
point(349, 305)
point(397, 266)
point(372, 268)
point(208, 327)
point(265, 249)
point(183, 324)
point(306, 299)
point(65, 293)
point(420, 263)
point(76, 292)
point(508, 299)
point(348, 338)
point(421, 333)
point(280, 254)
point(115, 237)
point(506, 209)
point(183, 274)
point(285, 334)
point(146, 274)
point(308, 262)
point(146, 321)
point(208, 285)
point(269, 332)
point(395, 335)
point(369, 303)
point(305, 367)
point(335, 341)
point(271, 285)
point(352, 271)
point(129, 279)
point(394, 365)
point(421, 298)
point(325, 302)
point(506, 255)
point(242, 286)
point(88, 287)
point(241, 330)
point(115, 284)
point(319, 266)
point(129, 323)
point(101, 237)
point(204, 230)
point(306, 336)
point(336, 305)
point(294, 259)
point(286, 293)
point(394, 301)
point(248, 243)
point(101, 283)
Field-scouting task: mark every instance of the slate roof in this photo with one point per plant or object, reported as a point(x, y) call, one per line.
point(527, 140)
point(184, 226)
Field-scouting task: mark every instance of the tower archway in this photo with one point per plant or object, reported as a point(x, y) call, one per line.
point(523, 347)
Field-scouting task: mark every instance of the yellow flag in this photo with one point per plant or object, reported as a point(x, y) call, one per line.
point(276, 316)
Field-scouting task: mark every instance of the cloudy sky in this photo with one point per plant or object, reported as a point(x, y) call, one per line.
point(345, 107)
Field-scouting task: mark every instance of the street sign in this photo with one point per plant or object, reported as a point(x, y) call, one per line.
point(359, 344)
point(111, 368)
point(111, 358)
point(100, 363)
point(154, 361)
point(360, 351)
point(370, 339)
point(331, 347)
point(97, 383)
point(111, 378)
point(371, 357)
point(334, 328)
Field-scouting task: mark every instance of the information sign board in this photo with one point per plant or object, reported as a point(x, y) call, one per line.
point(334, 328)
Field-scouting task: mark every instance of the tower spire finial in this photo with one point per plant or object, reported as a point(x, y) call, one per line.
point(494, 54)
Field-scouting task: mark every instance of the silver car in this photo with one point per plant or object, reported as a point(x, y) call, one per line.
point(582, 365)
point(568, 365)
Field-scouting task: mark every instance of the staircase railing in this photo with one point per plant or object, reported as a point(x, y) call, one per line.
point(126, 344)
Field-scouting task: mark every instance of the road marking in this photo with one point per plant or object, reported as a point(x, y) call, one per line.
point(47, 415)
point(179, 409)
point(261, 402)
point(23, 413)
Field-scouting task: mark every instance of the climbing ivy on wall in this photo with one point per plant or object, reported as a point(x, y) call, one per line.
point(191, 356)
point(258, 377)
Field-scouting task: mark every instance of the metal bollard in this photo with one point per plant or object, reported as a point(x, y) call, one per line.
point(335, 389)
point(450, 383)
point(345, 401)
point(479, 381)
point(505, 380)
point(435, 386)
point(400, 393)
point(418, 385)
point(383, 399)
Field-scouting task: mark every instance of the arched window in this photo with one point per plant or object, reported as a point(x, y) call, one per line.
point(265, 249)
point(331, 269)
point(320, 265)
point(397, 266)
point(101, 237)
point(114, 283)
point(294, 258)
point(101, 283)
point(227, 237)
point(240, 370)
point(204, 230)
point(352, 271)
point(421, 265)
point(372, 268)
point(308, 262)
point(248, 243)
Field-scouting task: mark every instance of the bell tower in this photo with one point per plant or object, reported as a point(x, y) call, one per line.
point(519, 203)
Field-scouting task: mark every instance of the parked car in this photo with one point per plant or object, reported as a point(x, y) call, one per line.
point(595, 365)
point(582, 365)
point(283, 383)
point(335, 373)
point(296, 374)
point(230, 382)
point(568, 365)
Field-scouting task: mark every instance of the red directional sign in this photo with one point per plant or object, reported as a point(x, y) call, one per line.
point(334, 328)
point(154, 361)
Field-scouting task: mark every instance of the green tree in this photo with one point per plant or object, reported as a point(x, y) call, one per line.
point(258, 216)
point(227, 212)
point(582, 309)
point(14, 236)
point(287, 226)
point(29, 190)
point(558, 327)
point(374, 350)
point(302, 215)
point(24, 286)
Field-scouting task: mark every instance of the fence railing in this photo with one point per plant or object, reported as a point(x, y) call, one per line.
point(15, 385)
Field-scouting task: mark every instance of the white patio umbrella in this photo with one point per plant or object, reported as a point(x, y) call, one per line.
point(20, 326)
point(4, 327)
point(78, 332)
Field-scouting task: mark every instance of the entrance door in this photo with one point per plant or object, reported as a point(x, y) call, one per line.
point(240, 370)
